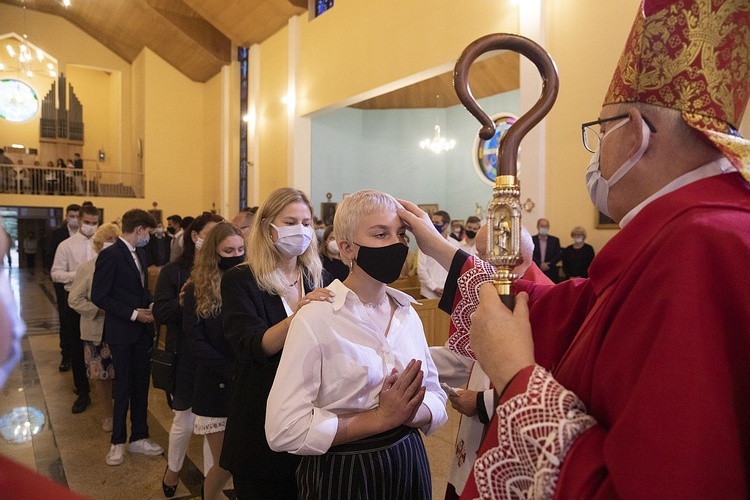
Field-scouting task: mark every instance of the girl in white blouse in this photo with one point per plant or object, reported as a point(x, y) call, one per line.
point(356, 379)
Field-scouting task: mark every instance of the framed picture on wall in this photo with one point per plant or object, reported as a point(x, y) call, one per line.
point(430, 208)
point(327, 211)
point(605, 222)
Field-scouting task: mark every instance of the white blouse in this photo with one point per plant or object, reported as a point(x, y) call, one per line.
point(334, 361)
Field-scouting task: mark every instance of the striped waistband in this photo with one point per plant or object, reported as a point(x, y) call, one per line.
point(375, 442)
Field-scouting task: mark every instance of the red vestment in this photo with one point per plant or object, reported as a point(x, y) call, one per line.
point(656, 344)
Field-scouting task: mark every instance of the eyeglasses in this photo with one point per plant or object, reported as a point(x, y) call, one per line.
point(593, 139)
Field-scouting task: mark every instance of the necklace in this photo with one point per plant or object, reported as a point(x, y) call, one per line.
point(287, 283)
point(375, 305)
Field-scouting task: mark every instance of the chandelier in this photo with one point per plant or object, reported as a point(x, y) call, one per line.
point(20, 57)
point(437, 144)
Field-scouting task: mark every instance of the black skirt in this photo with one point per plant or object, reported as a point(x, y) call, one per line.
point(391, 465)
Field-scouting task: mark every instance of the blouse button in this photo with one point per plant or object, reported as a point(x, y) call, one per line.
point(221, 386)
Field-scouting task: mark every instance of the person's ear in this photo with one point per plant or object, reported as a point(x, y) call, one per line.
point(194, 236)
point(633, 133)
point(346, 250)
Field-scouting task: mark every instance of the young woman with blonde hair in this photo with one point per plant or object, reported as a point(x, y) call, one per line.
point(223, 248)
point(97, 355)
point(356, 380)
point(283, 273)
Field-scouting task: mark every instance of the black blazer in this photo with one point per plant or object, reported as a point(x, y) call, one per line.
point(554, 254)
point(167, 311)
point(246, 314)
point(117, 289)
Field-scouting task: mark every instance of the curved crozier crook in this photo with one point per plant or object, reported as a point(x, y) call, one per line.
point(508, 153)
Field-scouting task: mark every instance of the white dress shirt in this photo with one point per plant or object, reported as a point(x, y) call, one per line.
point(334, 361)
point(431, 274)
point(133, 254)
point(70, 254)
point(466, 247)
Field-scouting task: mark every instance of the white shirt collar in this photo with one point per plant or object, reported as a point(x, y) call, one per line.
point(716, 167)
point(130, 247)
point(343, 292)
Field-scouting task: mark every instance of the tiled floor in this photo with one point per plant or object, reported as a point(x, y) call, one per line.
point(71, 448)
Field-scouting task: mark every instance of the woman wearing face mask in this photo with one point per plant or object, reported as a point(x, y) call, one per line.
point(168, 312)
point(99, 367)
point(283, 273)
point(356, 379)
point(329, 254)
point(223, 249)
point(577, 258)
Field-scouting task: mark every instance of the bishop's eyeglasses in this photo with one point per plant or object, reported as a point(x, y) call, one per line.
point(592, 139)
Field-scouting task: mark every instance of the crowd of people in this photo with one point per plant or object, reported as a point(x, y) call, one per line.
point(623, 381)
point(65, 177)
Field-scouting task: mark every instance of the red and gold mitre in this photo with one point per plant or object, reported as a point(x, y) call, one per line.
point(694, 56)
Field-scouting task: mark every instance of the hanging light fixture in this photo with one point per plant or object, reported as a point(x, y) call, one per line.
point(437, 144)
point(21, 57)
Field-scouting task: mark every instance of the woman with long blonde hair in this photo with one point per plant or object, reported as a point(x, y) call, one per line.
point(259, 298)
point(223, 248)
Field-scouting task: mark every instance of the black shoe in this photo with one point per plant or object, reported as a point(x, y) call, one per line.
point(64, 365)
point(81, 403)
point(169, 491)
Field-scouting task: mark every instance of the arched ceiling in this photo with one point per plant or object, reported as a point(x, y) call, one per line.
point(196, 37)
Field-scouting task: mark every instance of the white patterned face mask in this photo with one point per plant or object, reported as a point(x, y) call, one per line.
point(293, 240)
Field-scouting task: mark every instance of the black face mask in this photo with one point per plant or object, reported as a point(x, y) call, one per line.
point(227, 263)
point(170, 230)
point(471, 234)
point(382, 263)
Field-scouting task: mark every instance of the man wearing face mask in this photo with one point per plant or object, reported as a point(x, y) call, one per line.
point(159, 247)
point(69, 228)
point(636, 379)
point(120, 287)
point(431, 274)
point(547, 251)
point(469, 243)
point(70, 255)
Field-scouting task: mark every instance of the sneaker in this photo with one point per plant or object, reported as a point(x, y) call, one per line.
point(81, 403)
point(116, 454)
point(145, 446)
point(107, 424)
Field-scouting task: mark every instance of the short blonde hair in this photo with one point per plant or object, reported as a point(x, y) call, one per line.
point(578, 229)
point(104, 232)
point(357, 205)
point(262, 254)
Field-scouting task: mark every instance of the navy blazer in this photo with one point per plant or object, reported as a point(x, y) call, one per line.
point(554, 255)
point(117, 289)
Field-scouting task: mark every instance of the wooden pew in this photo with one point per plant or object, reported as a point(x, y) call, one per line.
point(436, 322)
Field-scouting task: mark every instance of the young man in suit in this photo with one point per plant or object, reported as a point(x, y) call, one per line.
point(547, 251)
point(120, 287)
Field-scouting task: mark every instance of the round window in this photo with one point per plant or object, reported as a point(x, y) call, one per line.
point(18, 101)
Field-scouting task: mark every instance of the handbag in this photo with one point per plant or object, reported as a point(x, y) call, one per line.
point(163, 364)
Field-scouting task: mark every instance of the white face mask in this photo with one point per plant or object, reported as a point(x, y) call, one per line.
point(73, 222)
point(87, 230)
point(597, 185)
point(199, 243)
point(333, 247)
point(142, 242)
point(543, 231)
point(293, 240)
point(578, 240)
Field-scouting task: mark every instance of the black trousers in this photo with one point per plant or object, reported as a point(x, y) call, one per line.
point(71, 322)
point(132, 368)
point(65, 333)
point(391, 465)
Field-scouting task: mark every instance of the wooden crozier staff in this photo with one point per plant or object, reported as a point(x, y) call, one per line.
point(504, 211)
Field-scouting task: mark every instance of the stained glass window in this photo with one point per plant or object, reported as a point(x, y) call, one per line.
point(18, 101)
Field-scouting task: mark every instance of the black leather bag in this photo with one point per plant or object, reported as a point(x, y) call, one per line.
point(163, 365)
